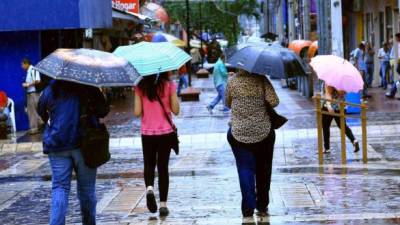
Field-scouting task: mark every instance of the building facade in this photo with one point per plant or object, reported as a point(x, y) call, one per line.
point(33, 29)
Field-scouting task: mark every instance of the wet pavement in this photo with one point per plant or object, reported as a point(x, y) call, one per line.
point(204, 187)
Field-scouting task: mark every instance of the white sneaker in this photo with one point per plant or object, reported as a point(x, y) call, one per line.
point(327, 151)
point(210, 110)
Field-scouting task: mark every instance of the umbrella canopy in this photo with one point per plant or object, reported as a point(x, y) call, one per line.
point(338, 73)
point(163, 37)
point(298, 45)
point(155, 11)
point(267, 59)
point(89, 67)
point(153, 57)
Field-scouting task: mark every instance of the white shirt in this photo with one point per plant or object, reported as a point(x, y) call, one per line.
point(31, 76)
point(383, 56)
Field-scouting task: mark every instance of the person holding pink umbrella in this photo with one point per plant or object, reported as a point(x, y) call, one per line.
point(339, 76)
point(333, 107)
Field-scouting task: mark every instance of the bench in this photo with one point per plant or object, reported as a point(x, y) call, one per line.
point(202, 73)
point(190, 94)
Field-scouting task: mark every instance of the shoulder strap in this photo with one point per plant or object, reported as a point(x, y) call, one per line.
point(165, 112)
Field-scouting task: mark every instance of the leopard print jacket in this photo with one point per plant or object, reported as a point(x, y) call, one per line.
point(246, 95)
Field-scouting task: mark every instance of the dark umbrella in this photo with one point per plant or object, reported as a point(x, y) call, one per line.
point(269, 35)
point(266, 59)
point(89, 67)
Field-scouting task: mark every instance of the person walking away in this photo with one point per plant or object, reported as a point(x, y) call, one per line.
point(369, 62)
point(4, 115)
point(157, 133)
point(252, 138)
point(333, 107)
point(220, 75)
point(183, 79)
point(361, 66)
point(32, 96)
point(196, 59)
point(384, 57)
point(59, 106)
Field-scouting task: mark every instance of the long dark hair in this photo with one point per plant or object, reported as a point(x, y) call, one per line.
point(151, 85)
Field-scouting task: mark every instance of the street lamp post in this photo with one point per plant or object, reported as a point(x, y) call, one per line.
point(189, 69)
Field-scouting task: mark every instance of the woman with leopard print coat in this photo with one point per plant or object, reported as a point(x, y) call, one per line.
point(252, 138)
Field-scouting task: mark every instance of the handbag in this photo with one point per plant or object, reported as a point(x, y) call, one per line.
point(94, 141)
point(277, 120)
point(174, 138)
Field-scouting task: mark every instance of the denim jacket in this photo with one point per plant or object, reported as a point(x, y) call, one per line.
point(62, 116)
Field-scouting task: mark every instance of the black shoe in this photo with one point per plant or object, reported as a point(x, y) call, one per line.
point(151, 202)
point(163, 211)
point(356, 147)
point(262, 214)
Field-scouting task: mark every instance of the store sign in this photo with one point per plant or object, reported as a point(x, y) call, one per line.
point(126, 5)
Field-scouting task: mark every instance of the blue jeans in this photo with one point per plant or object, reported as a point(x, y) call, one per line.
point(385, 74)
point(254, 166)
point(62, 164)
point(220, 96)
point(370, 73)
point(183, 82)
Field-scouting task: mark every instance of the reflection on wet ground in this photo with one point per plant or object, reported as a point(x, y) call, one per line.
point(204, 188)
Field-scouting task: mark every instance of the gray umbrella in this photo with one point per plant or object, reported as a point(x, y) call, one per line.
point(267, 59)
point(89, 67)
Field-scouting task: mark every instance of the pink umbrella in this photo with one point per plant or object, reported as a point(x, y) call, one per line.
point(338, 73)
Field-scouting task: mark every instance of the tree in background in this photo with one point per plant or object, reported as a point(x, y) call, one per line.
point(216, 16)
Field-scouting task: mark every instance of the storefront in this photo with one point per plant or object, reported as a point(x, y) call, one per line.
point(33, 29)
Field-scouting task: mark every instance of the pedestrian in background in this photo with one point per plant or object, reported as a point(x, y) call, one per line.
point(252, 138)
point(369, 62)
point(4, 115)
point(32, 95)
point(384, 58)
point(183, 79)
point(220, 75)
point(196, 59)
point(395, 87)
point(359, 58)
point(155, 99)
point(60, 107)
point(362, 67)
point(333, 107)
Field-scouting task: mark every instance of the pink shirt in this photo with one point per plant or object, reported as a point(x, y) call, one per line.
point(153, 118)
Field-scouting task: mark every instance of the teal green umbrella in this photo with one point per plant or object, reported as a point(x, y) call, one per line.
point(153, 57)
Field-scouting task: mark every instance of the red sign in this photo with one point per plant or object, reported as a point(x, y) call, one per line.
point(126, 5)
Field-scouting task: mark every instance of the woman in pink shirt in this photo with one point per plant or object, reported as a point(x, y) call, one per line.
point(157, 133)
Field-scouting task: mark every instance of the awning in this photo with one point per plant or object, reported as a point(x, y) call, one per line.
point(125, 15)
point(17, 15)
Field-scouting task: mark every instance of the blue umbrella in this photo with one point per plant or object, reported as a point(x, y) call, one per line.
point(153, 57)
point(159, 37)
point(89, 67)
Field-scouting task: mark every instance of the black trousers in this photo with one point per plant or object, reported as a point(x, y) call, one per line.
point(156, 152)
point(254, 165)
point(326, 125)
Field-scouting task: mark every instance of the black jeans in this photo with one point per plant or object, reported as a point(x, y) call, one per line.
point(156, 151)
point(326, 125)
point(254, 165)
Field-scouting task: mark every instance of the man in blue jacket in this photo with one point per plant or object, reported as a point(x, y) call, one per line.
point(60, 108)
